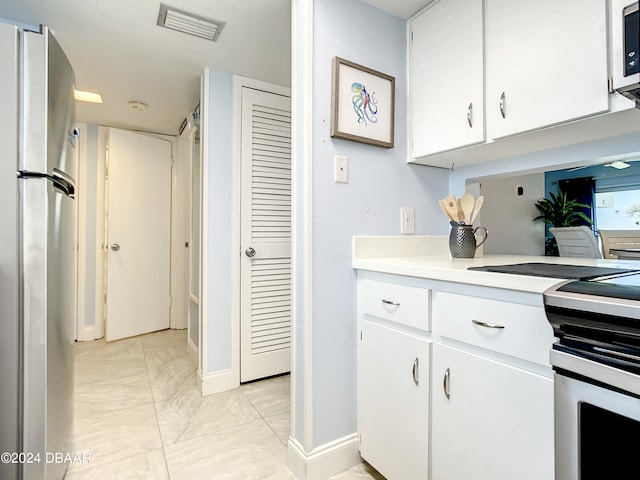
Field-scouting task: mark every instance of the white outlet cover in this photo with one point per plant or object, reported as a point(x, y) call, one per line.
point(340, 169)
point(407, 220)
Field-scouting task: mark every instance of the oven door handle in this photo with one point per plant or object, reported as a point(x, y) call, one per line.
point(621, 355)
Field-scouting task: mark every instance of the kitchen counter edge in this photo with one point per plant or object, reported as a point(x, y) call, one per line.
point(445, 268)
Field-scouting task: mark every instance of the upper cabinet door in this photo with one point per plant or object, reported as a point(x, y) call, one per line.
point(546, 63)
point(446, 92)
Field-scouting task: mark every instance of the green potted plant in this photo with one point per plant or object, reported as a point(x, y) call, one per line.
point(559, 211)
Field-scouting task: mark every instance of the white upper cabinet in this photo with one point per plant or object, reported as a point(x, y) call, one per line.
point(482, 70)
point(546, 63)
point(446, 84)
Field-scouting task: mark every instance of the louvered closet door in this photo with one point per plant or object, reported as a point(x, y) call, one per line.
point(265, 348)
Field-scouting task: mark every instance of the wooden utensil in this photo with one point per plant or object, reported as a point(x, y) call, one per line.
point(444, 209)
point(476, 209)
point(467, 203)
point(451, 206)
point(460, 211)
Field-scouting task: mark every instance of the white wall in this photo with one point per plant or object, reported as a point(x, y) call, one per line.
point(508, 217)
point(327, 215)
point(617, 214)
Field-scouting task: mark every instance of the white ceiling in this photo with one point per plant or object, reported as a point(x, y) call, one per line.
point(399, 8)
point(117, 50)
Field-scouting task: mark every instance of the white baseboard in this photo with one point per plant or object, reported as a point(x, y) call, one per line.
point(324, 461)
point(222, 381)
point(87, 333)
point(192, 351)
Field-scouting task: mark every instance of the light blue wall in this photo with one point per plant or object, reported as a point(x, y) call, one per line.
point(90, 165)
point(220, 190)
point(380, 183)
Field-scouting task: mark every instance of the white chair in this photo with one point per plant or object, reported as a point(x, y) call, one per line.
point(576, 242)
point(618, 239)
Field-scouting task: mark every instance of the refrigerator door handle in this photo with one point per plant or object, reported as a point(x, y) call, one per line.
point(59, 180)
point(64, 185)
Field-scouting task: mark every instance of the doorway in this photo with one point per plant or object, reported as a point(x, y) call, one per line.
point(265, 235)
point(138, 225)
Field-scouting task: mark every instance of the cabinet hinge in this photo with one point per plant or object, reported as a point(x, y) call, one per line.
point(360, 335)
point(610, 84)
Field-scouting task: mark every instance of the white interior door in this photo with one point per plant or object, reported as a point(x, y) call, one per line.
point(265, 331)
point(138, 232)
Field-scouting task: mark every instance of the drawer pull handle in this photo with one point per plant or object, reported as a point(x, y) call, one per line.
point(487, 325)
point(390, 302)
point(415, 371)
point(446, 384)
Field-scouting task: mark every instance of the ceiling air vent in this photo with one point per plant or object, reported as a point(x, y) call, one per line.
point(189, 23)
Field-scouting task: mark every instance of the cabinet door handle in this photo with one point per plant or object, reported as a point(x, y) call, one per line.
point(502, 109)
point(446, 384)
point(415, 371)
point(390, 302)
point(470, 115)
point(487, 325)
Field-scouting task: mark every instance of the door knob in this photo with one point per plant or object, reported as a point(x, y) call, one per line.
point(115, 247)
point(250, 252)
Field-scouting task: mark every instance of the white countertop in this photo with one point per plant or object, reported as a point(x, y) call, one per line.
point(443, 267)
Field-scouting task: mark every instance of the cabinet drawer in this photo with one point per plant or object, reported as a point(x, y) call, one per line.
point(398, 303)
point(513, 329)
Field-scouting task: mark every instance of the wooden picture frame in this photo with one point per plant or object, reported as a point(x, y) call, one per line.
point(362, 104)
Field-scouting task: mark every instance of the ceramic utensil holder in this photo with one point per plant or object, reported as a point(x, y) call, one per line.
point(462, 240)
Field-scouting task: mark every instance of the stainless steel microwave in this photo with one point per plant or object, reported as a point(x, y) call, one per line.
point(629, 84)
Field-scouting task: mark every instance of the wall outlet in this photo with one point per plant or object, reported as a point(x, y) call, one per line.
point(407, 220)
point(340, 169)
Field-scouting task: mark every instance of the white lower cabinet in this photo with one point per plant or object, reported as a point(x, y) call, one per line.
point(393, 400)
point(490, 420)
point(453, 386)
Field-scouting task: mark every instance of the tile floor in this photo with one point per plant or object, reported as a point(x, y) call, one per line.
point(140, 416)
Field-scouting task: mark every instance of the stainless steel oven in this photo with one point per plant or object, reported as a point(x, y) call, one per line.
point(596, 363)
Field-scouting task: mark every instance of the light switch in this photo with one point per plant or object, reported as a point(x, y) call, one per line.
point(340, 169)
point(407, 220)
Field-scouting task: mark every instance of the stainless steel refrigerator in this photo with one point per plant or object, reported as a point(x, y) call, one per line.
point(37, 253)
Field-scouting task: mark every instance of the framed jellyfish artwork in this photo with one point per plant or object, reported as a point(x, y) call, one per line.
point(362, 104)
